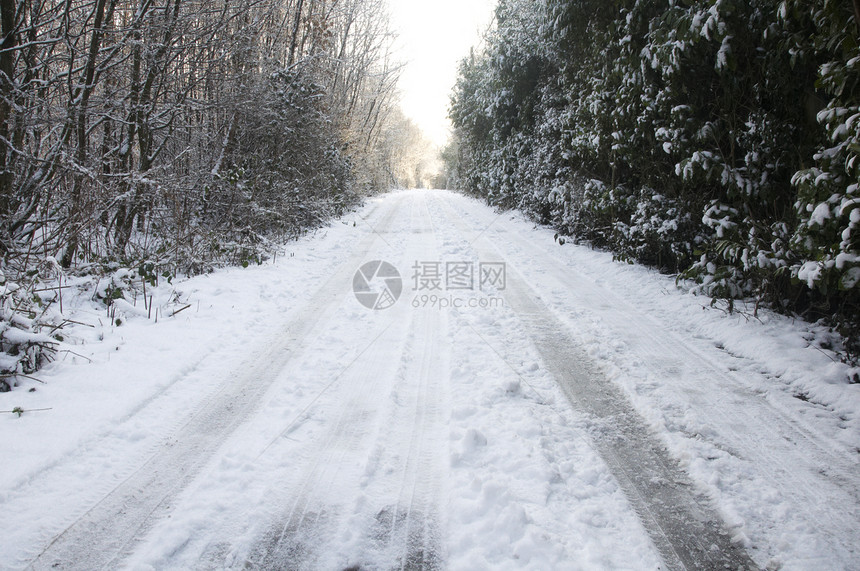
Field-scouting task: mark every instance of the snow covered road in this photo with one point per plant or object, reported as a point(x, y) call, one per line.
point(520, 406)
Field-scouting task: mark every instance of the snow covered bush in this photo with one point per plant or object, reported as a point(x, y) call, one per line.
point(29, 326)
point(714, 138)
point(659, 232)
point(827, 237)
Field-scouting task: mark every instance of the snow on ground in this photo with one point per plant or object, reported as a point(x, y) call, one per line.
point(763, 419)
point(277, 422)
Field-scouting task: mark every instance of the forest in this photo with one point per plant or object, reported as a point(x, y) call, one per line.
point(163, 137)
point(714, 139)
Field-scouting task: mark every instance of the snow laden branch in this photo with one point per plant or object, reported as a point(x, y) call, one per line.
point(177, 136)
point(715, 139)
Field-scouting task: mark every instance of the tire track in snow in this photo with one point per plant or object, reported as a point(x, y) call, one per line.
point(412, 525)
point(687, 534)
point(310, 523)
point(421, 473)
point(395, 514)
point(781, 446)
point(103, 535)
point(401, 520)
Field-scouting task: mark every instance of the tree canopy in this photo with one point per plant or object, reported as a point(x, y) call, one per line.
point(714, 138)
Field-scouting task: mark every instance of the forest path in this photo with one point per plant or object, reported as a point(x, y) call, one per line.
point(500, 407)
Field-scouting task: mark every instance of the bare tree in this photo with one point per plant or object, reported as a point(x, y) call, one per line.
point(137, 129)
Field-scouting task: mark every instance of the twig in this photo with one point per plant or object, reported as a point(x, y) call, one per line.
point(20, 411)
point(77, 323)
point(52, 288)
point(9, 376)
point(822, 351)
point(76, 354)
point(181, 309)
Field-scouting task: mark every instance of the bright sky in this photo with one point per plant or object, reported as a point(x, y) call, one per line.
point(434, 36)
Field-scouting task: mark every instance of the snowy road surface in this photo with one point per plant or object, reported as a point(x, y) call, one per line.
point(520, 406)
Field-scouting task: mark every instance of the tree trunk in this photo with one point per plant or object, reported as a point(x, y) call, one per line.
point(294, 40)
point(8, 18)
point(81, 101)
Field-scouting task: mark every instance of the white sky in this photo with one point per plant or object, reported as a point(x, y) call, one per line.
point(434, 36)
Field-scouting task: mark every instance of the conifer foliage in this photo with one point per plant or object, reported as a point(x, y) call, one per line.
point(718, 139)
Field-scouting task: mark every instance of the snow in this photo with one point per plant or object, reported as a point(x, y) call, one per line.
point(723, 54)
point(278, 418)
point(756, 411)
point(809, 272)
point(820, 215)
